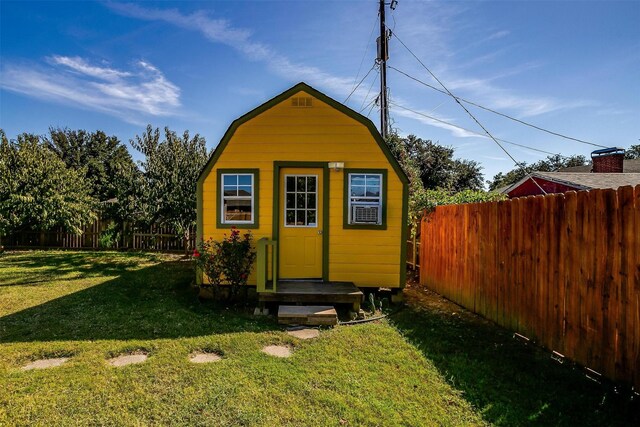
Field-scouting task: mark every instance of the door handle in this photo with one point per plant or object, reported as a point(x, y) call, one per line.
point(319, 232)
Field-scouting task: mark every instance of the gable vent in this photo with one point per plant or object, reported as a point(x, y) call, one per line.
point(302, 101)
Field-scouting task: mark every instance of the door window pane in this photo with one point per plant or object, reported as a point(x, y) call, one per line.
point(301, 183)
point(291, 183)
point(300, 217)
point(311, 217)
point(290, 217)
point(311, 184)
point(291, 200)
point(311, 201)
point(300, 200)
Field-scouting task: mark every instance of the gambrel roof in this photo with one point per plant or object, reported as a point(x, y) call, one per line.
point(322, 97)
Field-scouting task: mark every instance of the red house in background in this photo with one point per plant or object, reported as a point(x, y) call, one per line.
point(608, 170)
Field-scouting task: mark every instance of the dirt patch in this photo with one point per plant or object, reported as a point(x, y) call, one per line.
point(304, 333)
point(277, 350)
point(200, 357)
point(45, 363)
point(423, 299)
point(128, 359)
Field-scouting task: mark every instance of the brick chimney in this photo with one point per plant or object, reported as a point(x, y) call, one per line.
point(608, 160)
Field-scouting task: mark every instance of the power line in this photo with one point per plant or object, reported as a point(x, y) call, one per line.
point(469, 113)
point(473, 132)
point(356, 88)
point(368, 105)
point(366, 50)
point(368, 92)
point(498, 112)
point(373, 104)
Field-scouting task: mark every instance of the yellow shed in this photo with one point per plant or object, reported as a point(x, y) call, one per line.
point(322, 194)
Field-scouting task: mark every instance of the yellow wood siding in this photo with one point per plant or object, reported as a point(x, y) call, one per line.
point(316, 134)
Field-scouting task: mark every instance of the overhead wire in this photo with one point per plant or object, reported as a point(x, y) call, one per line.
point(368, 105)
point(373, 104)
point(366, 50)
point(471, 131)
point(469, 113)
point(375, 79)
point(358, 85)
point(497, 112)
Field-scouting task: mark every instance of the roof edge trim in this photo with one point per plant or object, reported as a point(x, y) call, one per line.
point(217, 152)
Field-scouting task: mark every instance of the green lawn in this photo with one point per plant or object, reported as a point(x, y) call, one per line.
point(423, 366)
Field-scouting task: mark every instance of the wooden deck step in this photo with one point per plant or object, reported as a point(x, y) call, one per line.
point(307, 315)
point(309, 292)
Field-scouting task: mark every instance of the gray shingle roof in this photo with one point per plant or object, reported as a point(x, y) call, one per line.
point(592, 180)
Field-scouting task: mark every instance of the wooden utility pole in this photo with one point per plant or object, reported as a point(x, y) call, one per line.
point(383, 55)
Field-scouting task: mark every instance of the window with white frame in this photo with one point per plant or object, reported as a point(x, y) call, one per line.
point(238, 198)
point(365, 198)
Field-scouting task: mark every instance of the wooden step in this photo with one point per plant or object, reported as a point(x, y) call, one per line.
point(307, 315)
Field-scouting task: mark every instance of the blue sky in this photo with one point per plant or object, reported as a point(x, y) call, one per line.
point(572, 67)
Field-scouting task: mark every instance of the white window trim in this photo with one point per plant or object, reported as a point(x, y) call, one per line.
point(284, 202)
point(253, 192)
point(378, 198)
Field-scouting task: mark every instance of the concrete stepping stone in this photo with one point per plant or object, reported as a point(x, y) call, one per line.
point(201, 357)
point(127, 359)
point(277, 350)
point(45, 363)
point(304, 333)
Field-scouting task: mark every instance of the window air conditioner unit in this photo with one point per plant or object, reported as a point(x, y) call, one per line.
point(365, 213)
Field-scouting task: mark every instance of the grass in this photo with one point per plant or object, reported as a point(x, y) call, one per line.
point(510, 383)
point(423, 366)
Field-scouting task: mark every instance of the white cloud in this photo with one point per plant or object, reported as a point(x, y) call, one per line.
point(427, 28)
point(451, 41)
point(221, 31)
point(496, 158)
point(82, 67)
point(437, 121)
point(129, 95)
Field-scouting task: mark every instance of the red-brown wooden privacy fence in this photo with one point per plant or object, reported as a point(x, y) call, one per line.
point(151, 238)
point(562, 269)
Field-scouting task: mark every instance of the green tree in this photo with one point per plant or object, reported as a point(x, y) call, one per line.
point(467, 175)
point(633, 152)
point(438, 167)
point(37, 190)
point(110, 170)
point(462, 177)
point(170, 169)
point(550, 164)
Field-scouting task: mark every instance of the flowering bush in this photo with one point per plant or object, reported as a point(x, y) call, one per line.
point(226, 262)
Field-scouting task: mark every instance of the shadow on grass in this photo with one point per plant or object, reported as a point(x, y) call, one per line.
point(145, 303)
point(24, 268)
point(509, 382)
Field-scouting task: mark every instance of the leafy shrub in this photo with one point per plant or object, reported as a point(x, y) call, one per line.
point(226, 262)
point(110, 237)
